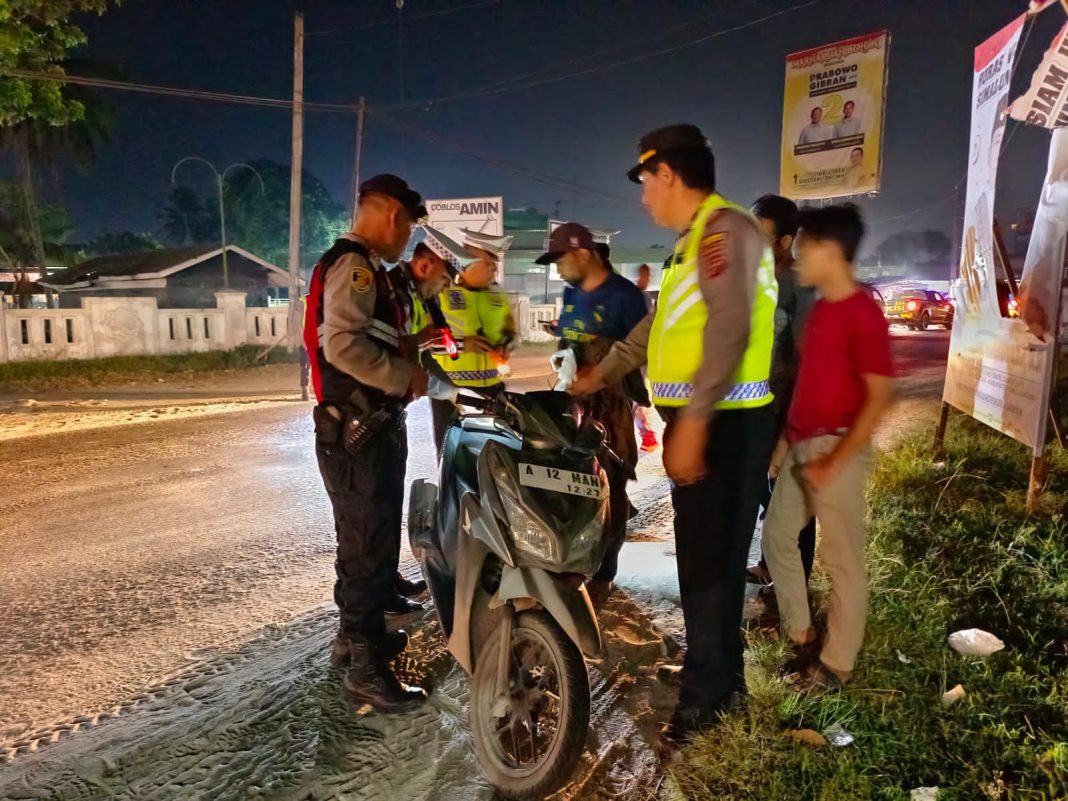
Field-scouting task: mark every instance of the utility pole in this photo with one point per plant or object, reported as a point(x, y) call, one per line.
point(360, 111)
point(294, 181)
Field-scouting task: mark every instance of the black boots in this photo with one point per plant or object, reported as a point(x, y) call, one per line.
point(399, 607)
point(370, 681)
point(409, 589)
point(393, 643)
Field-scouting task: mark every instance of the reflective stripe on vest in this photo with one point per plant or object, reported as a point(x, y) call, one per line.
point(676, 340)
point(467, 316)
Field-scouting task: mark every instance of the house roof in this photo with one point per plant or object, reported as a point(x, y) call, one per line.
point(153, 264)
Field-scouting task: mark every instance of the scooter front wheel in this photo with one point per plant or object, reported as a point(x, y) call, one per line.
point(530, 739)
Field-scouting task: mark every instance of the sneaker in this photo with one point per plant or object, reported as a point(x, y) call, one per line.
point(649, 441)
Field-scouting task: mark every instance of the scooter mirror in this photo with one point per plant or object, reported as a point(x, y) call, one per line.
point(591, 435)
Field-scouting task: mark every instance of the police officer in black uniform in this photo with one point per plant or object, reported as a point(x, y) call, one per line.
point(364, 374)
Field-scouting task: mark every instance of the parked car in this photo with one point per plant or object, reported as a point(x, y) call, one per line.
point(919, 309)
point(877, 296)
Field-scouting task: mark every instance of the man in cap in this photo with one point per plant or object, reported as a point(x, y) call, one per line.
point(364, 373)
point(477, 312)
point(708, 349)
point(601, 307)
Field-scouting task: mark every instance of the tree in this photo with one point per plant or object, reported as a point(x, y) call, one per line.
point(36, 36)
point(256, 219)
point(18, 248)
point(187, 220)
point(112, 243)
point(909, 248)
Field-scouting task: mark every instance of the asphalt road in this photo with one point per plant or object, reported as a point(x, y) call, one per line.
point(129, 552)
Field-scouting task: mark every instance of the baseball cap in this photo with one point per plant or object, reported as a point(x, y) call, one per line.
point(667, 140)
point(398, 189)
point(569, 236)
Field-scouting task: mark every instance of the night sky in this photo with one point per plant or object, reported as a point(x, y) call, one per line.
point(582, 129)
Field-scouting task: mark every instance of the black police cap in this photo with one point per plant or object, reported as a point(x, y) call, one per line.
point(398, 189)
point(665, 140)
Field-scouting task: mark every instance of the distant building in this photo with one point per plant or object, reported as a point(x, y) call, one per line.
point(182, 278)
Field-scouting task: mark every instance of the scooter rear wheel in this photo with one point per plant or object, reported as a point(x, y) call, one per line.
point(529, 743)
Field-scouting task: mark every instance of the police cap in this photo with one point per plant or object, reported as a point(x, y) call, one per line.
point(662, 141)
point(398, 189)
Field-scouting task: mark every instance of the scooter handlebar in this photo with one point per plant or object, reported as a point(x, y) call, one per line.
point(476, 402)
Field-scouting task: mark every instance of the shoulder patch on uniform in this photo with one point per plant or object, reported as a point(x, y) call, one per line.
point(362, 279)
point(712, 253)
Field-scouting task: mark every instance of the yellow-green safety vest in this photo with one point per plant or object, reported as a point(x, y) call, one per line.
point(676, 340)
point(468, 312)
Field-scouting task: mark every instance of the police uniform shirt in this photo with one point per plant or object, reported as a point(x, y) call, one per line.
point(352, 339)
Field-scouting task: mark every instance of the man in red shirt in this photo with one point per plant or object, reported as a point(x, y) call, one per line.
point(844, 386)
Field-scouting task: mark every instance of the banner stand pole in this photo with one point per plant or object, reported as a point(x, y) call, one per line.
point(940, 434)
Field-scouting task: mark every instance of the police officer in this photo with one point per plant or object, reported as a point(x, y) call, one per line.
point(477, 312)
point(417, 282)
point(601, 307)
point(363, 374)
point(708, 347)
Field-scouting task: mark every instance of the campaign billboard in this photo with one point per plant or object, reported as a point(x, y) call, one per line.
point(833, 109)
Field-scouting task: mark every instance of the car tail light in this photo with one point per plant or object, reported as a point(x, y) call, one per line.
point(912, 305)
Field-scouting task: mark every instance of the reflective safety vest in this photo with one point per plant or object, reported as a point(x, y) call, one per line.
point(676, 340)
point(468, 312)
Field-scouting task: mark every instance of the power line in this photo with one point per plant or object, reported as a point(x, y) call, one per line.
point(598, 54)
point(391, 20)
point(173, 91)
point(601, 67)
point(519, 169)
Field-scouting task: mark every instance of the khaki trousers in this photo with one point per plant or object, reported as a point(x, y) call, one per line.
point(840, 508)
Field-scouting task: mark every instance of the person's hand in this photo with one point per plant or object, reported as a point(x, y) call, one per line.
point(587, 382)
point(476, 344)
point(550, 328)
point(778, 458)
point(418, 383)
point(684, 450)
point(425, 337)
point(818, 473)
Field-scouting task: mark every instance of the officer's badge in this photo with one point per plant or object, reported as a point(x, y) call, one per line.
point(362, 279)
point(457, 300)
point(712, 254)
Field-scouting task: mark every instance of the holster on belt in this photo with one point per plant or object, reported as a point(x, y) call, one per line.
point(356, 424)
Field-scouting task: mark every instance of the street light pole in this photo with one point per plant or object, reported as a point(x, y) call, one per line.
point(220, 179)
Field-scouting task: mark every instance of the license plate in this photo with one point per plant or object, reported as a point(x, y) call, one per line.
point(556, 479)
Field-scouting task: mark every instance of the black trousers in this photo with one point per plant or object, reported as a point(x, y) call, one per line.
point(713, 530)
point(367, 494)
point(618, 515)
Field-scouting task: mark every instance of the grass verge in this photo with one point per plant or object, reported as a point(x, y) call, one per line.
point(37, 375)
point(951, 546)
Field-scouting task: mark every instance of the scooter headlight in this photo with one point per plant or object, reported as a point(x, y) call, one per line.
point(529, 534)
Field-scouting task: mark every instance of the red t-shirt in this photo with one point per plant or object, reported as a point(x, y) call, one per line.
point(843, 342)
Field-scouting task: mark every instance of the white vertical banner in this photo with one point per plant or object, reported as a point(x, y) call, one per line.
point(998, 372)
point(482, 214)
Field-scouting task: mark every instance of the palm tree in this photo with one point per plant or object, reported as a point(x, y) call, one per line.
point(37, 144)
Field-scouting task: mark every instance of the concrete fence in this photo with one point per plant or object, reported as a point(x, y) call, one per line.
point(120, 326)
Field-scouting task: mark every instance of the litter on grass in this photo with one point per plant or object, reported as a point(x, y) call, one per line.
point(975, 642)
